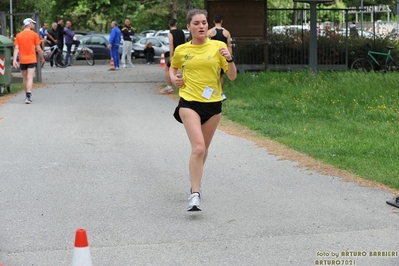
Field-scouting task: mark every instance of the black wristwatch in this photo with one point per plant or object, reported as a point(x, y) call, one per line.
point(231, 60)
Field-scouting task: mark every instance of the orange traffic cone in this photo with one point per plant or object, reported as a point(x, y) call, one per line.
point(81, 252)
point(111, 64)
point(162, 63)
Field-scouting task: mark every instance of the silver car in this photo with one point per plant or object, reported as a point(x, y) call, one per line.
point(160, 45)
point(165, 33)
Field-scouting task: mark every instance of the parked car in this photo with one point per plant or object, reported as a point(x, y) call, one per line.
point(137, 37)
point(369, 34)
point(87, 32)
point(288, 29)
point(165, 33)
point(365, 34)
point(160, 44)
point(188, 34)
point(80, 33)
point(148, 33)
point(99, 44)
point(393, 36)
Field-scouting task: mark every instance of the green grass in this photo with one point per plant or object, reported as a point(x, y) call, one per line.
point(14, 87)
point(346, 119)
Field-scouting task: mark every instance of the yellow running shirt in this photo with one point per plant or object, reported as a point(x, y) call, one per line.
point(200, 65)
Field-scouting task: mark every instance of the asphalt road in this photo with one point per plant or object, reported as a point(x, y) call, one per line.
point(100, 150)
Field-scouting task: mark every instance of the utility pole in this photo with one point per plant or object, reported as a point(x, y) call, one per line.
point(11, 26)
point(313, 33)
point(361, 18)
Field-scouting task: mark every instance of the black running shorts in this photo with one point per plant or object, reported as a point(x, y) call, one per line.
point(26, 66)
point(204, 110)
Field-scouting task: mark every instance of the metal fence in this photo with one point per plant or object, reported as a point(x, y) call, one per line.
point(286, 46)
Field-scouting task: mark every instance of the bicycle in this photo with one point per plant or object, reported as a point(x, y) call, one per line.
point(81, 52)
point(367, 64)
point(53, 53)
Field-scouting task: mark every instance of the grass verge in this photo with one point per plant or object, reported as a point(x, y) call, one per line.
point(15, 88)
point(346, 119)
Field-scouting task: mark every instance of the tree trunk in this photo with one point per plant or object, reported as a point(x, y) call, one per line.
point(295, 14)
point(174, 9)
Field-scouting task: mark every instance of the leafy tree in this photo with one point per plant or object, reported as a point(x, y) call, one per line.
point(97, 15)
point(28, 7)
point(94, 15)
point(155, 14)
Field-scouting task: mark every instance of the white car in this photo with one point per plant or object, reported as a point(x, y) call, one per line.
point(165, 33)
point(159, 43)
point(289, 28)
point(365, 34)
point(148, 33)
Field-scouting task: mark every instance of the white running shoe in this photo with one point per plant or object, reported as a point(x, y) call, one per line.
point(28, 100)
point(124, 66)
point(194, 202)
point(167, 90)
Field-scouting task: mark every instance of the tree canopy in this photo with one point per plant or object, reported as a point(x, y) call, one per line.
point(97, 15)
point(143, 14)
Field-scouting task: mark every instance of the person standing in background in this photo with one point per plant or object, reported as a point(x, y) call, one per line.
point(127, 31)
point(69, 41)
point(353, 30)
point(114, 41)
point(176, 37)
point(53, 39)
point(60, 30)
point(220, 34)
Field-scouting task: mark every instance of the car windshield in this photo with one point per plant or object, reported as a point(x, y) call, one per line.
point(98, 40)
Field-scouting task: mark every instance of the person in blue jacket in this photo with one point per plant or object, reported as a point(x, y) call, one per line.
point(114, 41)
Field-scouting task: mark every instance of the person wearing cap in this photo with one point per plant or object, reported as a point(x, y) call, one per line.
point(26, 44)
